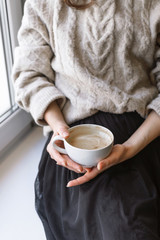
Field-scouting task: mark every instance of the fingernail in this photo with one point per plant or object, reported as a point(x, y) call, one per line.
point(68, 185)
point(65, 134)
point(65, 164)
point(99, 167)
point(80, 170)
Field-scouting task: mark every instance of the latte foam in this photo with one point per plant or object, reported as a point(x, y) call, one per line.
point(89, 139)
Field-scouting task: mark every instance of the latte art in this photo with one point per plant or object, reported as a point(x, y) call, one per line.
point(90, 141)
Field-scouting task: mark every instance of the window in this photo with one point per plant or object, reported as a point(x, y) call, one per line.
point(7, 103)
point(4, 90)
point(12, 120)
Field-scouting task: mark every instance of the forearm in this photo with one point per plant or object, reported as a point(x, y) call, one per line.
point(54, 116)
point(146, 133)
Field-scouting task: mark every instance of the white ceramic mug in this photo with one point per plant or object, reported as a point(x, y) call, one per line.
point(87, 144)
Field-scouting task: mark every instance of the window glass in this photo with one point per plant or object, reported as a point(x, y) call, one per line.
point(7, 99)
point(4, 90)
point(13, 121)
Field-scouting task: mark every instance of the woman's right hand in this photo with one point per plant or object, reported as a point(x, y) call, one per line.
point(63, 159)
point(54, 118)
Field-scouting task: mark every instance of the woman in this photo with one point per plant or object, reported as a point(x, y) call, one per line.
point(98, 65)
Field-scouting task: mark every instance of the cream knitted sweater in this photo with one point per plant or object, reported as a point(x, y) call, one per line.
point(103, 58)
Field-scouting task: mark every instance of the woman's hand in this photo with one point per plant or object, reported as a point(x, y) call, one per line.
point(53, 116)
point(119, 154)
point(63, 159)
point(147, 132)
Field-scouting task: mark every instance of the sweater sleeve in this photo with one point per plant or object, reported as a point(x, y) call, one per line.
point(155, 75)
point(32, 73)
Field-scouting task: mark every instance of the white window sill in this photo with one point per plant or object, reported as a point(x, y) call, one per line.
point(18, 169)
point(13, 127)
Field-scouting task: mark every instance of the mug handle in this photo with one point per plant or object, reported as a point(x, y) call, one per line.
point(59, 149)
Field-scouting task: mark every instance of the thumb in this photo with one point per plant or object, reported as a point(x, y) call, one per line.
point(63, 131)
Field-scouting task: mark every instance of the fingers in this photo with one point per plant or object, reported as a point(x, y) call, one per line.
point(64, 160)
point(92, 173)
point(62, 130)
point(89, 175)
point(70, 164)
point(106, 163)
point(116, 156)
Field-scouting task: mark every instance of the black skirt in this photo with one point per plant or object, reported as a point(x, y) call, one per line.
point(122, 203)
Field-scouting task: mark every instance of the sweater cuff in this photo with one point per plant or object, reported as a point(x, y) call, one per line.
point(154, 105)
point(41, 100)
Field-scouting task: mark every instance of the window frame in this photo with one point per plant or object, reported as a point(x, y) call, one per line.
point(17, 120)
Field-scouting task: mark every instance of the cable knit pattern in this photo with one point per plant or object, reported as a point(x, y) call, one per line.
point(99, 39)
point(127, 42)
point(104, 58)
point(145, 43)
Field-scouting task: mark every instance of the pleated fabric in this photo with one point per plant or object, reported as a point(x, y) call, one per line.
point(122, 203)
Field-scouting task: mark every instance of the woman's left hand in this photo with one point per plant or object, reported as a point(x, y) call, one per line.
point(146, 133)
point(118, 154)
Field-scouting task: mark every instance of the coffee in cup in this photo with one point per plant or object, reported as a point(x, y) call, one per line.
point(87, 144)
